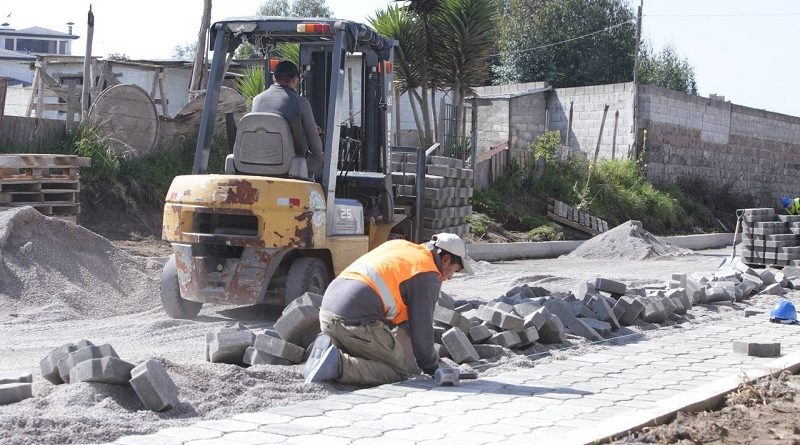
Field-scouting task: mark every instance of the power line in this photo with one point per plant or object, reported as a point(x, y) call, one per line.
point(767, 14)
point(612, 27)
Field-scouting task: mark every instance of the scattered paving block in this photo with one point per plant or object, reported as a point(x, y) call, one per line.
point(580, 309)
point(110, 370)
point(446, 301)
point(636, 292)
point(601, 327)
point(438, 331)
point(464, 308)
point(500, 305)
point(791, 272)
point(552, 331)
point(66, 364)
point(560, 310)
point(498, 317)
point(525, 309)
point(15, 392)
point(441, 350)
point(603, 311)
point(655, 312)
point(278, 348)
point(15, 377)
point(583, 329)
point(717, 294)
point(49, 364)
point(228, 346)
point(751, 284)
point(679, 299)
point(634, 310)
point(585, 288)
point(489, 351)
point(478, 334)
point(536, 319)
point(524, 291)
point(307, 299)
point(527, 336)
point(767, 277)
point(253, 356)
point(300, 326)
point(744, 269)
point(451, 318)
point(83, 343)
point(751, 312)
point(669, 306)
point(758, 348)
point(508, 339)
point(154, 386)
point(610, 286)
point(459, 346)
point(773, 289)
point(680, 278)
point(620, 306)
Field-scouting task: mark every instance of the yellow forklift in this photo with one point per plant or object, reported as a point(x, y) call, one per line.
point(265, 232)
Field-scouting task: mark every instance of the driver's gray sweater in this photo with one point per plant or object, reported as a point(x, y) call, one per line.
point(286, 102)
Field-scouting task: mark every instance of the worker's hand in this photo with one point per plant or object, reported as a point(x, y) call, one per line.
point(319, 130)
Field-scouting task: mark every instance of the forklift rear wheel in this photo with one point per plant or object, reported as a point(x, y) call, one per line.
point(306, 274)
point(174, 305)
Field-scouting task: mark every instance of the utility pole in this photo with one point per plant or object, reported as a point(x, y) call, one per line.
point(87, 64)
point(636, 76)
point(198, 68)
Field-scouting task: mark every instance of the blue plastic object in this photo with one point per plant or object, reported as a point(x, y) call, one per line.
point(784, 312)
point(786, 202)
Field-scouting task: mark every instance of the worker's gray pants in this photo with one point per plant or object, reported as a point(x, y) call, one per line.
point(371, 353)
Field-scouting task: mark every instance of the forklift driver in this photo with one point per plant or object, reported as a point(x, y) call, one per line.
point(282, 98)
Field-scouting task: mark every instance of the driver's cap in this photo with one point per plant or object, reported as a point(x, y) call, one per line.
point(455, 245)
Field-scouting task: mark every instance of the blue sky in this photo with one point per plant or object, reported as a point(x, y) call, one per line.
point(742, 49)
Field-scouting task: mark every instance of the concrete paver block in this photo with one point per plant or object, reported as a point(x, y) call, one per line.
point(582, 329)
point(758, 348)
point(278, 348)
point(501, 318)
point(601, 327)
point(527, 336)
point(441, 350)
point(446, 301)
point(636, 292)
point(500, 305)
point(767, 277)
point(773, 289)
point(307, 299)
point(507, 339)
point(610, 286)
point(560, 310)
point(228, 346)
point(536, 319)
point(655, 312)
point(489, 351)
point(49, 364)
point(15, 377)
point(464, 308)
point(752, 312)
point(525, 309)
point(633, 311)
point(620, 306)
point(478, 334)
point(679, 299)
point(585, 288)
point(451, 318)
point(552, 331)
point(154, 386)
point(438, 331)
point(300, 326)
point(717, 294)
point(600, 307)
point(15, 392)
point(66, 364)
point(110, 370)
point(459, 346)
point(446, 377)
point(253, 356)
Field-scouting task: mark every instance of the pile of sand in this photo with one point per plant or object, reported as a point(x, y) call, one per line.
point(53, 270)
point(627, 241)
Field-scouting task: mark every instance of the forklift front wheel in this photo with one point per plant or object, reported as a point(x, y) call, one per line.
point(174, 305)
point(306, 274)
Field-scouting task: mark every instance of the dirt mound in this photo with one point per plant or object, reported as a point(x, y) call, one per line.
point(54, 270)
point(628, 241)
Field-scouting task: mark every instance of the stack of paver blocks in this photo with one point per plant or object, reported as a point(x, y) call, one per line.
point(448, 191)
point(15, 386)
point(770, 239)
point(86, 362)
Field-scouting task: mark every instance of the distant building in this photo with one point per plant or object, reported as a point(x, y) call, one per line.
point(19, 47)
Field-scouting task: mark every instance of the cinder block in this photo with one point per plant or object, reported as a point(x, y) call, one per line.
point(307, 299)
point(552, 331)
point(300, 326)
point(228, 346)
point(758, 348)
point(489, 351)
point(15, 377)
point(451, 318)
point(478, 334)
point(603, 312)
point(66, 364)
point(536, 319)
point(459, 346)
point(15, 392)
point(582, 329)
point(527, 336)
point(446, 301)
point(110, 370)
point(278, 348)
point(503, 319)
point(610, 286)
point(253, 356)
point(508, 339)
point(49, 364)
point(154, 386)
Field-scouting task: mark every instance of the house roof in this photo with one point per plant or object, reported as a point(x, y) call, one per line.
point(6, 54)
point(37, 31)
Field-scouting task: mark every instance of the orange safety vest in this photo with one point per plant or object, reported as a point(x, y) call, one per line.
point(387, 266)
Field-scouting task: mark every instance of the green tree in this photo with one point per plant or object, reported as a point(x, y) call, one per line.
point(284, 8)
point(118, 57)
point(666, 69)
point(605, 57)
point(186, 51)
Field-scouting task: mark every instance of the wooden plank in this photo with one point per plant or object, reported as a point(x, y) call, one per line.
point(572, 224)
point(25, 160)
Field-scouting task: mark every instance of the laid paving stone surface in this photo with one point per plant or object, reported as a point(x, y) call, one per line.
point(552, 398)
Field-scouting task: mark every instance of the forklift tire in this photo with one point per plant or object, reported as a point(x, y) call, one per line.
point(174, 305)
point(306, 274)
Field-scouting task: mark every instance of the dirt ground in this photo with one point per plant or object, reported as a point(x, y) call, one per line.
point(764, 412)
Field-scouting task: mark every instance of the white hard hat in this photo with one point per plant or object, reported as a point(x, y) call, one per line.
point(453, 244)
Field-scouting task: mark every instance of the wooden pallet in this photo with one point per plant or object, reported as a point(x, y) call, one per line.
point(572, 217)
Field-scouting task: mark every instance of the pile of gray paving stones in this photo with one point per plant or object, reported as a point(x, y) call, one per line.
point(86, 362)
point(467, 332)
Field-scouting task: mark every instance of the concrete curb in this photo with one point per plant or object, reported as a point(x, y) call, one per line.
point(700, 399)
point(552, 249)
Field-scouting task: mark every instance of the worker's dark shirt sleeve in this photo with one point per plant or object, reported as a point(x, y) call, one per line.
point(310, 128)
point(420, 294)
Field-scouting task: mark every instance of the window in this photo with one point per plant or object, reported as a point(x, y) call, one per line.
point(62, 47)
point(10, 44)
point(37, 46)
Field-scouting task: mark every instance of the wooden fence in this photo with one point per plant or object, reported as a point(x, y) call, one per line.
point(492, 164)
point(25, 132)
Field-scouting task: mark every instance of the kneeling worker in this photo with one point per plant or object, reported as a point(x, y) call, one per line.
point(792, 206)
point(396, 283)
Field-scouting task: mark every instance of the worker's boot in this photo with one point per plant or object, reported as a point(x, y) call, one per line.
point(324, 362)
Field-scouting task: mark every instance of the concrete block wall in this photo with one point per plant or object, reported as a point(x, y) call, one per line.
point(511, 88)
point(527, 119)
point(492, 125)
point(587, 114)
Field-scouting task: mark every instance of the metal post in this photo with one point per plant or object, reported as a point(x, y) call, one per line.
point(332, 128)
point(206, 135)
point(636, 75)
point(420, 192)
point(87, 66)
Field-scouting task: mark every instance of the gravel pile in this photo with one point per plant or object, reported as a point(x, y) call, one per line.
point(628, 241)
